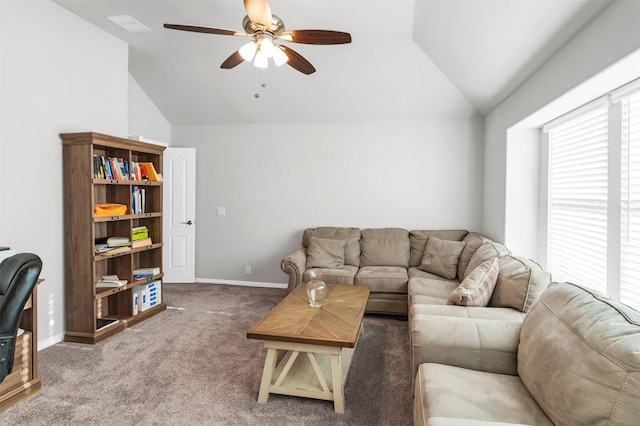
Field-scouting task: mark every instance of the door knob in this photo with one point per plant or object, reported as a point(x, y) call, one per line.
point(188, 222)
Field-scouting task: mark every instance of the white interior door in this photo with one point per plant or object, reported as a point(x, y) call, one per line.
point(179, 197)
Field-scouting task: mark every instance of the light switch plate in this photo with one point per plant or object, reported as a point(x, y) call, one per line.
point(222, 211)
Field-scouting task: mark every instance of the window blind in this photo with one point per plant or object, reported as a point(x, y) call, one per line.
point(630, 202)
point(577, 216)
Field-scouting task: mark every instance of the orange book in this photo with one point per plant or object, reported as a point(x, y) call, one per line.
point(151, 172)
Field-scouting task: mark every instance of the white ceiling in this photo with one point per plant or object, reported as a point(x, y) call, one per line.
point(408, 59)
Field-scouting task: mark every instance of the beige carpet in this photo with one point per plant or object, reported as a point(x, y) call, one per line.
point(195, 366)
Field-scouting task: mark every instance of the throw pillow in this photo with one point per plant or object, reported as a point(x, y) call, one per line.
point(477, 288)
point(441, 257)
point(325, 253)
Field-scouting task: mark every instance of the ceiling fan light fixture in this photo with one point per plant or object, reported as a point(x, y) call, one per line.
point(248, 51)
point(279, 57)
point(266, 47)
point(260, 60)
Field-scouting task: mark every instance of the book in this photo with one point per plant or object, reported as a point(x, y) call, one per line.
point(151, 171)
point(111, 281)
point(142, 273)
point(115, 250)
point(141, 243)
point(102, 248)
point(118, 241)
point(139, 233)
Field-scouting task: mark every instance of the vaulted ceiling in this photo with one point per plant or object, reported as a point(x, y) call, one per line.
point(408, 59)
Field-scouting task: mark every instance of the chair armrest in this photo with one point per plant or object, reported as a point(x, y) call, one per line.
point(476, 344)
point(294, 266)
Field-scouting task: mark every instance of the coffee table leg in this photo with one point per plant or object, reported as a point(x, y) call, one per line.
point(267, 376)
point(336, 378)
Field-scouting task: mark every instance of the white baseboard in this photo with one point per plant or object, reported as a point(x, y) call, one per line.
point(60, 337)
point(42, 344)
point(241, 283)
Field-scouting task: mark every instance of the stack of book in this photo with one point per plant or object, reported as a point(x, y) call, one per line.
point(111, 281)
point(140, 237)
point(138, 200)
point(112, 168)
point(112, 245)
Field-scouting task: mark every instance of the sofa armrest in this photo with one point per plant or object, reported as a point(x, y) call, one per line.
point(294, 266)
point(477, 344)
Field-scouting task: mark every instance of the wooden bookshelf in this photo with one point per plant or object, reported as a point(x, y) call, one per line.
point(95, 313)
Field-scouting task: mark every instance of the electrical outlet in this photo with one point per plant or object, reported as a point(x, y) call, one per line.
point(247, 269)
point(222, 211)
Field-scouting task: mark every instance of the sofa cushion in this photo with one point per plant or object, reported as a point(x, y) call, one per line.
point(325, 253)
point(418, 240)
point(417, 273)
point(472, 241)
point(350, 235)
point(487, 250)
point(385, 247)
point(479, 344)
point(441, 257)
point(454, 392)
point(343, 275)
point(579, 356)
point(473, 312)
point(520, 283)
point(477, 288)
point(387, 279)
point(430, 291)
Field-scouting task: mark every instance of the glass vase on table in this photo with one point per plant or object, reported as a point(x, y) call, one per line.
point(316, 290)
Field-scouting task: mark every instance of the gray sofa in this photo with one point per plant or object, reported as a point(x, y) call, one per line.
point(573, 360)
point(406, 269)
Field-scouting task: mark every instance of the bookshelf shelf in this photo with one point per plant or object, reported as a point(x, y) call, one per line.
point(91, 160)
point(102, 292)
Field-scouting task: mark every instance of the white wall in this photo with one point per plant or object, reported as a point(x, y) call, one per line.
point(607, 39)
point(145, 119)
point(59, 74)
point(275, 180)
point(522, 187)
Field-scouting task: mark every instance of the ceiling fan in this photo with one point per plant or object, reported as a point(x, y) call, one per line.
point(265, 29)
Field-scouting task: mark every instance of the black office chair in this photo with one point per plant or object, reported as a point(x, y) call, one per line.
point(18, 276)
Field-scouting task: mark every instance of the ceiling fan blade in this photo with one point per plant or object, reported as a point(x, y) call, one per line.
point(203, 29)
point(232, 61)
point(316, 37)
point(258, 11)
point(297, 61)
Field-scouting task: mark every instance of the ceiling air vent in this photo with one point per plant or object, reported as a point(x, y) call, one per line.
point(127, 22)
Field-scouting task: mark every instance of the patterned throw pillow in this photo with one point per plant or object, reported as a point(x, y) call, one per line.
point(325, 253)
point(477, 288)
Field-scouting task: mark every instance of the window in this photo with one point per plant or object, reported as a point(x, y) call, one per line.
point(630, 202)
point(593, 232)
point(577, 216)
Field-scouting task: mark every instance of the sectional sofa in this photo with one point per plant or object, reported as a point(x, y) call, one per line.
point(492, 340)
point(573, 360)
point(405, 268)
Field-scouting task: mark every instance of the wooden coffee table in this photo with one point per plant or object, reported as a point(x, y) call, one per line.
point(317, 343)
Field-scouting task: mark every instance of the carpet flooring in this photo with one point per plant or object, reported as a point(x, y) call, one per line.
point(193, 365)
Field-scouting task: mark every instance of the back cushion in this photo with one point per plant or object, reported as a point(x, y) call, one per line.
point(473, 241)
point(350, 235)
point(385, 247)
point(579, 357)
point(487, 250)
point(520, 283)
point(418, 240)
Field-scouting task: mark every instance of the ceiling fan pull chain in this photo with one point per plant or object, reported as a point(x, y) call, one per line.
point(261, 81)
